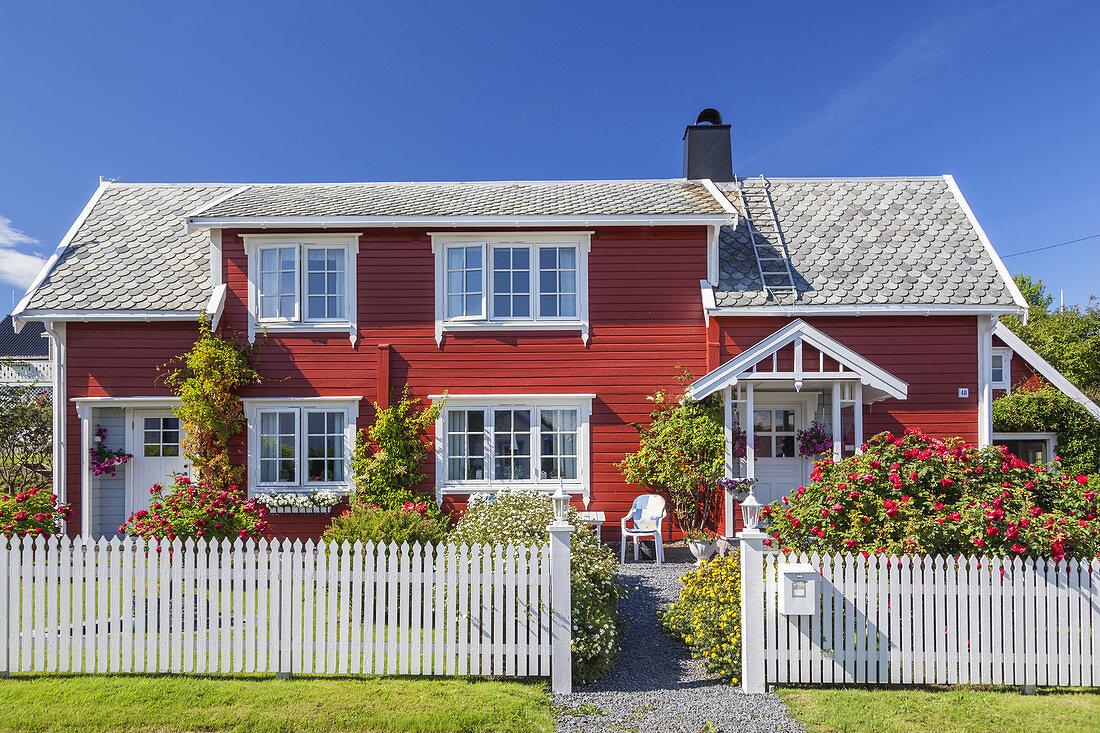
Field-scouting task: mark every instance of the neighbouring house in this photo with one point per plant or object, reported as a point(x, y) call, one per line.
point(547, 311)
point(1016, 366)
point(25, 356)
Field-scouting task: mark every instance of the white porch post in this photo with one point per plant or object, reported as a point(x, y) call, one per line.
point(986, 324)
point(838, 432)
point(84, 413)
point(857, 408)
point(728, 506)
point(750, 433)
point(60, 404)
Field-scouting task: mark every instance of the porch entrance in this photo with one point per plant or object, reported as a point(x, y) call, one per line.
point(157, 454)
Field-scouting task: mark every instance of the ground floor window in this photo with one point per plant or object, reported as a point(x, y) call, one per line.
point(302, 445)
point(535, 441)
point(1031, 447)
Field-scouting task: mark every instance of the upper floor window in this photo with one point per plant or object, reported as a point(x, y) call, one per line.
point(1002, 369)
point(302, 282)
point(514, 281)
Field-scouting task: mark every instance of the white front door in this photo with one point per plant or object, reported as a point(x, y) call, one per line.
point(779, 470)
point(157, 454)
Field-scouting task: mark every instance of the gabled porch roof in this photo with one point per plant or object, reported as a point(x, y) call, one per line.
point(849, 365)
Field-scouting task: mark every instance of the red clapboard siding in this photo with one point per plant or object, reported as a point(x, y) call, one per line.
point(900, 345)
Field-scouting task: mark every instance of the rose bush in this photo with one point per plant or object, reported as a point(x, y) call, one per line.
point(521, 518)
point(31, 512)
point(196, 509)
point(365, 522)
point(913, 493)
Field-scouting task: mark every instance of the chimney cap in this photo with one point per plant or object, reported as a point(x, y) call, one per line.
point(710, 115)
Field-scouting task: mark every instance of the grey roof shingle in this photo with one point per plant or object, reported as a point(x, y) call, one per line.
point(27, 343)
point(864, 242)
point(549, 198)
point(132, 252)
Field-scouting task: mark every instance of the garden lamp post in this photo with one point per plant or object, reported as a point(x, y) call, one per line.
point(561, 625)
point(561, 504)
point(752, 596)
point(751, 512)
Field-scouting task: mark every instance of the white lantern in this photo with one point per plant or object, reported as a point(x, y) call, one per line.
point(751, 512)
point(561, 504)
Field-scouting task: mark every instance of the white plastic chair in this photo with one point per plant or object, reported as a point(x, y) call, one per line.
point(646, 513)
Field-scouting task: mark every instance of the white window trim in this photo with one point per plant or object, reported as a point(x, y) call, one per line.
point(1051, 440)
point(441, 241)
point(253, 243)
point(1006, 368)
point(582, 403)
point(300, 405)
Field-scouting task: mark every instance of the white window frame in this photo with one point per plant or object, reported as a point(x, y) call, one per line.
point(442, 241)
point(301, 406)
point(1006, 369)
point(1051, 440)
point(582, 403)
point(254, 244)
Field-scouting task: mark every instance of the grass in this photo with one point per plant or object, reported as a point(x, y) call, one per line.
point(913, 709)
point(260, 704)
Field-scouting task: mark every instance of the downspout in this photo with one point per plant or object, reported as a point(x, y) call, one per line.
point(986, 324)
point(56, 332)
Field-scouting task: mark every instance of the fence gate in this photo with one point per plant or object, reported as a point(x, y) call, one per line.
point(286, 608)
point(921, 620)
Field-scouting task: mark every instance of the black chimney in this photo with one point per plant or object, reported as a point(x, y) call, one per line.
point(707, 152)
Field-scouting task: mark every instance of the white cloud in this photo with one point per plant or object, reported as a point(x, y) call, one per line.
point(18, 268)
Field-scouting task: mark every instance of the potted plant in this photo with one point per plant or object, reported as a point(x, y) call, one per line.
point(702, 543)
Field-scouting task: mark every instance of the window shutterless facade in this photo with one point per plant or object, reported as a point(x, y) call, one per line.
point(301, 282)
point(1002, 369)
point(523, 281)
point(487, 443)
point(300, 444)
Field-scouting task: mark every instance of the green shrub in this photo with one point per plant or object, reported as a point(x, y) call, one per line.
point(26, 438)
point(707, 615)
point(1050, 410)
point(189, 508)
point(917, 494)
point(31, 512)
point(412, 523)
point(388, 460)
point(521, 518)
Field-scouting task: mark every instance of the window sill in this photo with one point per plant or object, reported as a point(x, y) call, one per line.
point(481, 488)
point(562, 325)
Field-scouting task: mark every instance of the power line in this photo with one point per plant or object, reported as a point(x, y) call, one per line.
point(1050, 246)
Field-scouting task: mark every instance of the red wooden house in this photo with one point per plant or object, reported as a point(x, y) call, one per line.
point(547, 312)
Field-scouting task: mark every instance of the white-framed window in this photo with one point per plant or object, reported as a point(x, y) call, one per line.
point(301, 282)
point(523, 281)
point(1031, 447)
point(300, 444)
point(1002, 369)
point(490, 442)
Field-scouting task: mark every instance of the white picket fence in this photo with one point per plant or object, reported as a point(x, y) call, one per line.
point(286, 608)
point(935, 620)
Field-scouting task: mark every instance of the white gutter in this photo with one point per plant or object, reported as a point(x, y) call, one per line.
point(17, 319)
point(863, 310)
point(102, 315)
point(56, 334)
point(322, 222)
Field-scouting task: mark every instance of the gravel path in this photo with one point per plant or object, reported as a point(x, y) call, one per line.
point(655, 686)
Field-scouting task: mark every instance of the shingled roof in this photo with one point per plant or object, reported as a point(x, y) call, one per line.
point(674, 197)
point(133, 253)
point(863, 241)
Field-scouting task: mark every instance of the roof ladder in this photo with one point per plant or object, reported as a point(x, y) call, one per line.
point(773, 260)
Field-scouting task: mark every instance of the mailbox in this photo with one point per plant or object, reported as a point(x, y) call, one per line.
point(798, 589)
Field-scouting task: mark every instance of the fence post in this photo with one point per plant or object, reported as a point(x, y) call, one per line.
point(561, 619)
point(752, 611)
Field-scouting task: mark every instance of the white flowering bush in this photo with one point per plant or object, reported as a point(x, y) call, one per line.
point(521, 517)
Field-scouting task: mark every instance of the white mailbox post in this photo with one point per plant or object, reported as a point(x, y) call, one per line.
point(798, 589)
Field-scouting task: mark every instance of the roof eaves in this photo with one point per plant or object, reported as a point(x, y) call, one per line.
point(1045, 368)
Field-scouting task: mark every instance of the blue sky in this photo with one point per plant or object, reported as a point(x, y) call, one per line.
point(1004, 96)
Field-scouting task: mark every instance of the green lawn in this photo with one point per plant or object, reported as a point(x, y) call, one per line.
point(920, 709)
point(259, 704)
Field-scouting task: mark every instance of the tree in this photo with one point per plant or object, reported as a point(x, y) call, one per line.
point(26, 438)
point(1068, 338)
point(681, 455)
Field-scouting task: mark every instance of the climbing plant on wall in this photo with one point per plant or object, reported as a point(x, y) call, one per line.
point(207, 379)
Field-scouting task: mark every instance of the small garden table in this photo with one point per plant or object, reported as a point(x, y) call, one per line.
point(594, 520)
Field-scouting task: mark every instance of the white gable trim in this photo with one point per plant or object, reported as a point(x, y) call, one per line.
point(1048, 372)
point(868, 372)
